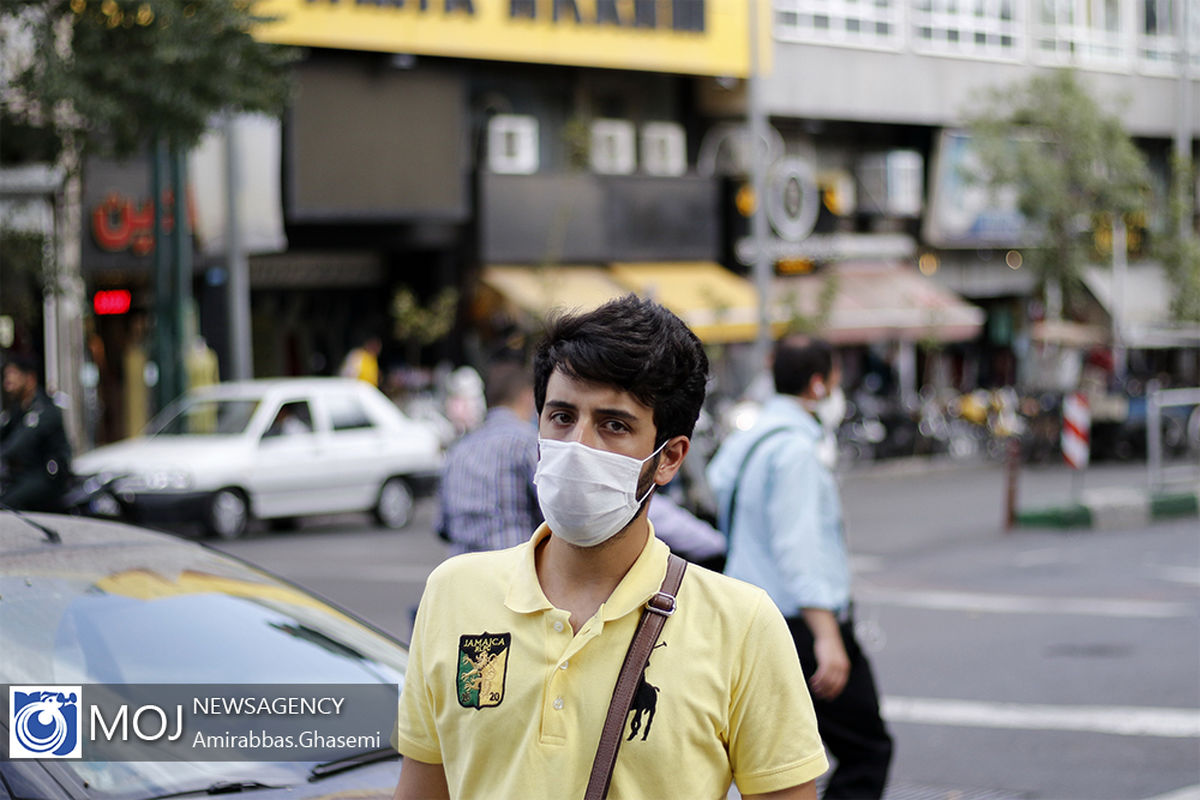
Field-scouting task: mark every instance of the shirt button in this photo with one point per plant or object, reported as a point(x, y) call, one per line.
point(558, 626)
point(558, 704)
point(564, 665)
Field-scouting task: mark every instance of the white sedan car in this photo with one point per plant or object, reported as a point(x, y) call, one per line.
point(273, 449)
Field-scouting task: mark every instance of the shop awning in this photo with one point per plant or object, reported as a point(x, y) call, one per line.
point(540, 290)
point(880, 302)
point(716, 304)
point(1144, 309)
point(1065, 333)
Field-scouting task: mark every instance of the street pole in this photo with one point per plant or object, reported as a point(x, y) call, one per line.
point(182, 242)
point(68, 234)
point(757, 121)
point(163, 327)
point(50, 346)
point(1120, 263)
point(237, 286)
point(1183, 120)
point(1012, 471)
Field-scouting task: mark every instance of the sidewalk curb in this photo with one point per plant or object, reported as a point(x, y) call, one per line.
point(1113, 509)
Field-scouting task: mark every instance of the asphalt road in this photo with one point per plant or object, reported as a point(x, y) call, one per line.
point(1029, 664)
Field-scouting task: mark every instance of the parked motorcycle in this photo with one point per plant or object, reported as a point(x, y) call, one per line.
point(93, 497)
point(87, 498)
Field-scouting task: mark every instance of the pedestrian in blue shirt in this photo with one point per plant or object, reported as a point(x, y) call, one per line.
point(779, 502)
point(487, 497)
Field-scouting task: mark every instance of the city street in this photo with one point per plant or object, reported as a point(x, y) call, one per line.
point(1032, 664)
point(262, 264)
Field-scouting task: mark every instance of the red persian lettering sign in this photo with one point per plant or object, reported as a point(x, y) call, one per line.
point(119, 224)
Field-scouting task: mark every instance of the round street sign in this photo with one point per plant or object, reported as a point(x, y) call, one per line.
point(793, 198)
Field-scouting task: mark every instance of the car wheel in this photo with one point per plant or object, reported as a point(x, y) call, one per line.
point(228, 514)
point(395, 507)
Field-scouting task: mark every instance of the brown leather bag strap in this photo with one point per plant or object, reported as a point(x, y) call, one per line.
point(659, 607)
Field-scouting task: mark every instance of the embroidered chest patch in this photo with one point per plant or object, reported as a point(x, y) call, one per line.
point(482, 665)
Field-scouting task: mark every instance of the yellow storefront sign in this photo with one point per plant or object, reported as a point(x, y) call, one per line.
point(695, 37)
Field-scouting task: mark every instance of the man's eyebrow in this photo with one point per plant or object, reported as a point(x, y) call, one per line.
point(619, 413)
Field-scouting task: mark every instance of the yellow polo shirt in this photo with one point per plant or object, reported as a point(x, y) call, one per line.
point(501, 692)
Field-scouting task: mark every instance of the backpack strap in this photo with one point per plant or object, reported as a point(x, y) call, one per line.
point(726, 519)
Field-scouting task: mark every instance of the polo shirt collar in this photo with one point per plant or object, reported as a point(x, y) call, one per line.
point(525, 594)
point(645, 577)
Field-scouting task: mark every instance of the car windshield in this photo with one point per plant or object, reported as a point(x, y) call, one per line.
point(166, 613)
point(193, 416)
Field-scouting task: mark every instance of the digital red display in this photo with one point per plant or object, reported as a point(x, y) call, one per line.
point(112, 301)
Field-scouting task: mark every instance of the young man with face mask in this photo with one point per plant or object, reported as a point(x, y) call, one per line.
point(781, 507)
point(515, 653)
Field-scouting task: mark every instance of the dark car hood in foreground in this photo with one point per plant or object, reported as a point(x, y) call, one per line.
point(114, 604)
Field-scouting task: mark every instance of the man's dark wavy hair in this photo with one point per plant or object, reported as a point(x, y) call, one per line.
point(635, 345)
point(797, 359)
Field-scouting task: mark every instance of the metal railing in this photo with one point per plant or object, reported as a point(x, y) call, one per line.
point(1156, 400)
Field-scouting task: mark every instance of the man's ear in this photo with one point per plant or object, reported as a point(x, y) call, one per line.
point(671, 459)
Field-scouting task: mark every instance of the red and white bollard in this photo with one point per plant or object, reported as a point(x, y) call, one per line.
point(1076, 430)
point(1076, 436)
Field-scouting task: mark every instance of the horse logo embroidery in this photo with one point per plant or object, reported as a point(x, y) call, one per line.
point(645, 701)
point(482, 666)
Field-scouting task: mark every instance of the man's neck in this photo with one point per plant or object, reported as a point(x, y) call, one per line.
point(580, 579)
point(806, 402)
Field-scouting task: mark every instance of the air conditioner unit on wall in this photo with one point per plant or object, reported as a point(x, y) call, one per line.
point(664, 148)
point(513, 144)
point(612, 150)
point(892, 184)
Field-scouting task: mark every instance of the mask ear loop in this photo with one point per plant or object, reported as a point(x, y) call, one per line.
point(653, 485)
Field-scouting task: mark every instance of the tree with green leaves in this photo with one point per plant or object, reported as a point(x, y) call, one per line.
point(420, 325)
point(1070, 162)
point(1179, 248)
point(112, 76)
point(119, 77)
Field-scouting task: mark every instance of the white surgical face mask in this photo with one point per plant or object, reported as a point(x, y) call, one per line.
point(832, 410)
point(587, 495)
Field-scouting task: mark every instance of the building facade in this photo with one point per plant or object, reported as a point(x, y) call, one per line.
point(871, 98)
point(477, 147)
point(534, 153)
